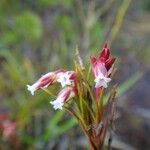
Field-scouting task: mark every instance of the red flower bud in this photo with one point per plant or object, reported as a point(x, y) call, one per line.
point(109, 62)
point(93, 59)
point(104, 55)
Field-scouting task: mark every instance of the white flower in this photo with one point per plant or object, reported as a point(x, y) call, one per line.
point(64, 78)
point(43, 82)
point(101, 74)
point(101, 81)
point(63, 96)
point(32, 88)
point(57, 104)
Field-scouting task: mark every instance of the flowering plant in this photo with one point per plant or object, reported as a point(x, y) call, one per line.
point(83, 96)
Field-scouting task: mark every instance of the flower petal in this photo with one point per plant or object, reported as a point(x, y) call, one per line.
point(57, 104)
point(31, 88)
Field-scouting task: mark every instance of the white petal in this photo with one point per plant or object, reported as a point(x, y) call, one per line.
point(107, 79)
point(57, 104)
point(63, 78)
point(98, 84)
point(62, 83)
point(101, 83)
point(31, 88)
point(97, 79)
point(59, 74)
point(104, 84)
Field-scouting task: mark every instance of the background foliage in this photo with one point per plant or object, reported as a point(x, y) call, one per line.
point(39, 36)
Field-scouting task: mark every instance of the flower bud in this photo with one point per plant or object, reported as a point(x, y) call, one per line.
point(104, 55)
point(109, 62)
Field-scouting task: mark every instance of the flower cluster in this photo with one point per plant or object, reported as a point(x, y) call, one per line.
point(87, 94)
point(68, 79)
point(65, 78)
point(101, 69)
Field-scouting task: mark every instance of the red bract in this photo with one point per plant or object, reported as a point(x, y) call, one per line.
point(104, 57)
point(103, 61)
point(109, 62)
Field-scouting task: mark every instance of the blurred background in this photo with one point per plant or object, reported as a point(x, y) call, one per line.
point(38, 36)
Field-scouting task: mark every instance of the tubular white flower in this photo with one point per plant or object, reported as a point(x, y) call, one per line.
point(64, 78)
point(32, 88)
point(100, 74)
point(57, 104)
point(63, 96)
point(43, 82)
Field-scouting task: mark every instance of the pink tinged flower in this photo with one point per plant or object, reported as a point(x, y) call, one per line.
point(66, 94)
point(65, 78)
point(44, 81)
point(9, 129)
point(100, 73)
